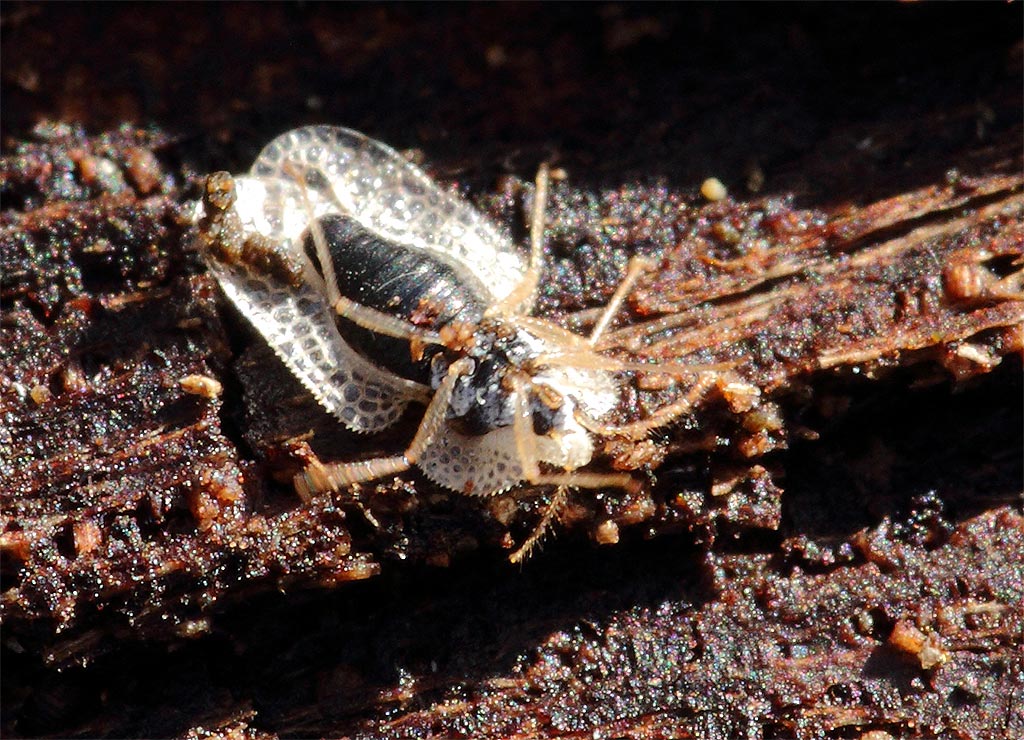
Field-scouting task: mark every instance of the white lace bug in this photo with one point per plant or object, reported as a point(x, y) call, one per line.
point(253, 228)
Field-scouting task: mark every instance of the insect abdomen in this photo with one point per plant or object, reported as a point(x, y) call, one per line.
point(404, 282)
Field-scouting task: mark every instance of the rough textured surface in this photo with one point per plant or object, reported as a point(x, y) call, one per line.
point(829, 545)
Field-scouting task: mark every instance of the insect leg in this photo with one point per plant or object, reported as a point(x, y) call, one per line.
point(323, 254)
point(1010, 287)
point(320, 478)
point(520, 300)
point(527, 449)
point(661, 417)
point(540, 203)
point(382, 323)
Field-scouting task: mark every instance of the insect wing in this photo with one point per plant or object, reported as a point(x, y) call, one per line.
point(327, 169)
point(299, 326)
point(480, 465)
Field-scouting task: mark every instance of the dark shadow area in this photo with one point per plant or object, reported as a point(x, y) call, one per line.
point(615, 93)
point(894, 454)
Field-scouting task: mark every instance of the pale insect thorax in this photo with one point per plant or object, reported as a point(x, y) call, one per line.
point(594, 392)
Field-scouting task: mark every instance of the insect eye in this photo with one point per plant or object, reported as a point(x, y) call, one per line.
point(546, 406)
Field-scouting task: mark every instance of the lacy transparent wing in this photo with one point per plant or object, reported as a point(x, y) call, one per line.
point(298, 326)
point(480, 465)
point(318, 170)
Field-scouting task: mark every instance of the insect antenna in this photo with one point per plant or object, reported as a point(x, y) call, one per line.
point(521, 299)
point(637, 266)
point(597, 361)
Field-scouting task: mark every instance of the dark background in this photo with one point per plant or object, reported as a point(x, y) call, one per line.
point(830, 101)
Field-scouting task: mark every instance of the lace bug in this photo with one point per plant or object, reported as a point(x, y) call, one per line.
point(377, 288)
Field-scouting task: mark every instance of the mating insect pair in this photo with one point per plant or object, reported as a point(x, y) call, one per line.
point(377, 288)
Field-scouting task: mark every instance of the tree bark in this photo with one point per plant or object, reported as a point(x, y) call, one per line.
point(828, 544)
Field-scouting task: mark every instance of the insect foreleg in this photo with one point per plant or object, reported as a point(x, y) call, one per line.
point(323, 254)
point(527, 447)
point(554, 507)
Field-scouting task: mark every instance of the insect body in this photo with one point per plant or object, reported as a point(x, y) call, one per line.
point(392, 279)
point(377, 288)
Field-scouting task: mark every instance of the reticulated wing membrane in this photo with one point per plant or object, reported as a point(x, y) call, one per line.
point(298, 324)
point(325, 169)
point(478, 465)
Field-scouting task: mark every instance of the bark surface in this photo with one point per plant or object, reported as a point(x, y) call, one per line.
point(828, 545)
